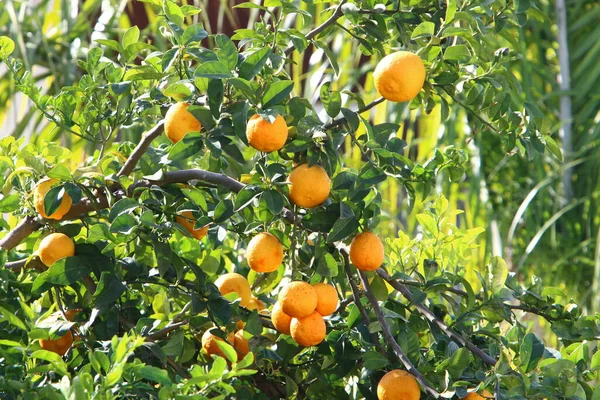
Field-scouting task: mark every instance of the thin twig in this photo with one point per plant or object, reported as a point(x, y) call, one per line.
point(427, 313)
point(341, 120)
point(166, 330)
point(471, 111)
point(140, 149)
point(387, 333)
point(336, 14)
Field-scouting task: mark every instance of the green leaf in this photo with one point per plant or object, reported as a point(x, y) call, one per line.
point(54, 359)
point(424, 29)
point(123, 206)
point(155, 374)
point(193, 33)
point(67, 270)
point(274, 200)
point(12, 319)
point(374, 360)
point(456, 364)
point(189, 145)
point(228, 350)
point(531, 352)
point(109, 289)
point(124, 224)
point(277, 92)
point(173, 12)
point(53, 199)
point(460, 52)
point(332, 100)
point(327, 266)
point(253, 63)
point(179, 90)
point(342, 228)
point(60, 172)
point(227, 52)
point(498, 272)
point(10, 203)
point(428, 223)
point(213, 70)
point(7, 46)
point(131, 36)
point(450, 11)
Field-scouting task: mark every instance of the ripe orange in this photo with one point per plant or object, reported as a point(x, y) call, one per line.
point(327, 299)
point(366, 251)
point(266, 136)
point(210, 346)
point(485, 395)
point(241, 345)
point(308, 331)
point(179, 121)
point(298, 299)
point(187, 220)
point(280, 320)
point(233, 282)
point(310, 186)
point(54, 247)
point(58, 346)
point(399, 76)
point(264, 253)
point(398, 384)
point(39, 192)
point(256, 304)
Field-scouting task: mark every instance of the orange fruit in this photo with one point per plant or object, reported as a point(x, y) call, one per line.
point(366, 251)
point(54, 247)
point(298, 299)
point(187, 220)
point(241, 345)
point(398, 384)
point(210, 346)
point(256, 304)
point(39, 192)
point(485, 395)
point(264, 253)
point(309, 330)
point(266, 136)
point(309, 186)
point(58, 346)
point(399, 76)
point(179, 121)
point(281, 321)
point(327, 299)
point(233, 282)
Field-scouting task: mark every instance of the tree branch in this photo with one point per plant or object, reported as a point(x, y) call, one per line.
point(427, 313)
point(21, 231)
point(356, 296)
point(336, 14)
point(140, 149)
point(387, 333)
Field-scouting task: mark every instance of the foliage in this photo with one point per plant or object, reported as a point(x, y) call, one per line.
point(146, 285)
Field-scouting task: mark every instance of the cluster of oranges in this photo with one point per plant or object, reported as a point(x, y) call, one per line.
point(301, 306)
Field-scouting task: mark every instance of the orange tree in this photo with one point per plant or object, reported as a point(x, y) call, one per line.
point(236, 255)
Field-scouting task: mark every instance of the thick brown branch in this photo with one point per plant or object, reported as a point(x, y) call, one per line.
point(427, 313)
point(21, 231)
point(189, 175)
point(387, 333)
